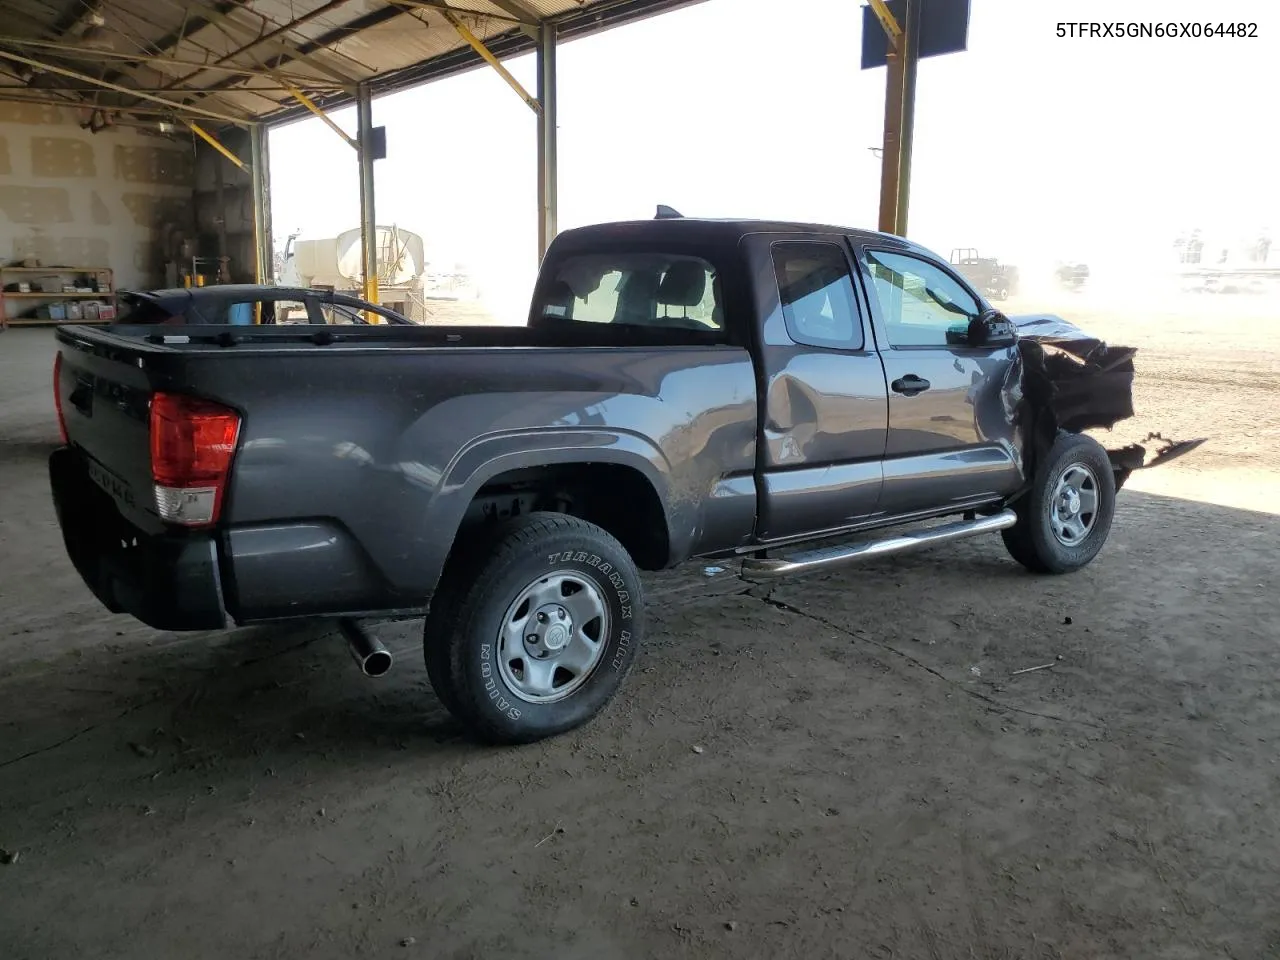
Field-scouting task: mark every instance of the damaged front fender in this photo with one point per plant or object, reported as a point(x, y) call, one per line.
point(1075, 382)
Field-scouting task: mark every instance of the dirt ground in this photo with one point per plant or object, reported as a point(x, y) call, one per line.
point(849, 766)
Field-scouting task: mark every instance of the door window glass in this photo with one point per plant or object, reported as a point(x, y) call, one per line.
point(922, 304)
point(817, 295)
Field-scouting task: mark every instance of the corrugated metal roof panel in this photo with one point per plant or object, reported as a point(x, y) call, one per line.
point(320, 45)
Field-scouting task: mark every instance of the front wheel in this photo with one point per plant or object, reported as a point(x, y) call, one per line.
point(536, 631)
point(1065, 518)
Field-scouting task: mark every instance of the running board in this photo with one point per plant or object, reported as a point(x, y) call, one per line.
point(828, 557)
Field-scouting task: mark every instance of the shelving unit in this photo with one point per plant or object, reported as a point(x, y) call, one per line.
point(23, 307)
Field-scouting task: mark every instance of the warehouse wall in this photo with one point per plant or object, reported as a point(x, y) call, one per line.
point(224, 205)
point(119, 198)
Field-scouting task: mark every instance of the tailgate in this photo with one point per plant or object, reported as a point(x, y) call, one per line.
point(104, 395)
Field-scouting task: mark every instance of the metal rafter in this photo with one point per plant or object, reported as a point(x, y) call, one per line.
point(70, 52)
point(478, 45)
point(303, 51)
point(578, 22)
point(109, 79)
point(74, 16)
point(106, 84)
point(464, 11)
point(272, 35)
point(281, 47)
point(525, 15)
point(217, 144)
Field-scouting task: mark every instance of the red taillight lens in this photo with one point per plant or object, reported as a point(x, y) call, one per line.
point(57, 397)
point(192, 443)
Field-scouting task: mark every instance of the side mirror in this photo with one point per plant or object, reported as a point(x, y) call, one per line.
point(992, 329)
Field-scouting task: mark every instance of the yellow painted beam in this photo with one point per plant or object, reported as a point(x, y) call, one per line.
point(478, 45)
point(311, 105)
point(887, 20)
point(213, 141)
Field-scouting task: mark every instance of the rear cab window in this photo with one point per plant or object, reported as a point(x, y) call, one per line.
point(816, 292)
point(248, 312)
point(646, 289)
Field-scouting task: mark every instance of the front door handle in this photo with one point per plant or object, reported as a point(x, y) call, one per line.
point(910, 385)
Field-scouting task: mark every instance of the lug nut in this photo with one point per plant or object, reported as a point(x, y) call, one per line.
point(542, 618)
point(560, 613)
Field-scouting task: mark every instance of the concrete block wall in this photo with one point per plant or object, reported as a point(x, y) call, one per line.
point(119, 198)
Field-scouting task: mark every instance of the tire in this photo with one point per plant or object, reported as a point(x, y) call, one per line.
point(1049, 537)
point(569, 597)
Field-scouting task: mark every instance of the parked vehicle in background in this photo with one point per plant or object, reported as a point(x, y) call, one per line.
point(408, 281)
point(1071, 276)
point(990, 277)
point(794, 396)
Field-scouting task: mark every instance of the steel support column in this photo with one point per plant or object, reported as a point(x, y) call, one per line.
point(547, 162)
point(259, 170)
point(368, 219)
point(899, 115)
point(910, 60)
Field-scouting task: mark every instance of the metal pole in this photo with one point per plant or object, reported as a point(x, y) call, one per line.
point(259, 169)
point(891, 153)
point(220, 200)
point(547, 164)
point(368, 220)
point(910, 60)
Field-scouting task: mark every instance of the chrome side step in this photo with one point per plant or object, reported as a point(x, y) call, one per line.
point(826, 558)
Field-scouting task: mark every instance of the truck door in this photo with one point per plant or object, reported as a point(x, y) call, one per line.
point(950, 438)
point(823, 397)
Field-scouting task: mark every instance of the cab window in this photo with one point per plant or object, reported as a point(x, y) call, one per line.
point(922, 305)
point(637, 289)
point(816, 293)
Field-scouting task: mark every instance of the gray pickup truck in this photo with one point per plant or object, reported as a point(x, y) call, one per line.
point(795, 396)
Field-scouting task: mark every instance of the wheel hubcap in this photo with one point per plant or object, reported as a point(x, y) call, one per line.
point(1074, 506)
point(553, 637)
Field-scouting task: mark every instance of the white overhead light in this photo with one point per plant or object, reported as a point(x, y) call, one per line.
point(95, 34)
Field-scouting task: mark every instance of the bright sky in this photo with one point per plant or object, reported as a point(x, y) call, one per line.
point(1027, 146)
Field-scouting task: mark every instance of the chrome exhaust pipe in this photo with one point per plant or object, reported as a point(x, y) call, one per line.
point(374, 659)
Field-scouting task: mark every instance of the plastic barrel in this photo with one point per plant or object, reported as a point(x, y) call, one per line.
point(240, 314)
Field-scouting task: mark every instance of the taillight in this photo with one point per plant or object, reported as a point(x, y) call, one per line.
point(192, 442)
point(57, 397)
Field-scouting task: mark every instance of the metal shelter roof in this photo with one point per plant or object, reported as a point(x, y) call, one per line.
point(241, 60)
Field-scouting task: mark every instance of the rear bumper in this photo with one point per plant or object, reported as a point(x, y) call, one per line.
point(167, 582)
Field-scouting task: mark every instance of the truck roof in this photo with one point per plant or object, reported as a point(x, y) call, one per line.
point(712, 232)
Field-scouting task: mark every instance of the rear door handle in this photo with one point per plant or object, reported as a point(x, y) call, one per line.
point(910, 385)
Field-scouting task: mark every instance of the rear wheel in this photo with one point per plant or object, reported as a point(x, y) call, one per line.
point(534, 633)
point(1065, 519)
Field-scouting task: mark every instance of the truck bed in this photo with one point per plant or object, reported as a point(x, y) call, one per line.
point(361, 448)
